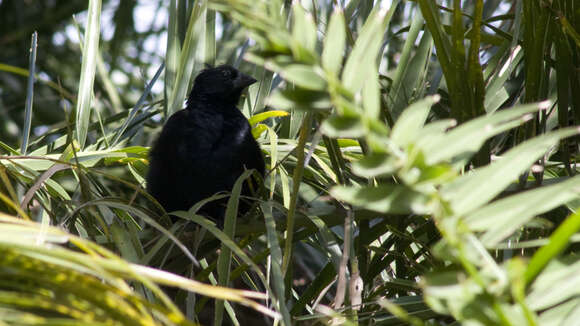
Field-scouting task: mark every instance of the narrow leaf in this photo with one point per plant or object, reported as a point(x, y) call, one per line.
point(462, 142)
point(411, 122)
point(468, 193)
point(29, 94)
point(363, 56)
point(392, 199)
point(304, 76)
point(334, 43)
point(501, 218)
point(88, 68)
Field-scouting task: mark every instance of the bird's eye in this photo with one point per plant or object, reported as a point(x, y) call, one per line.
point(227, 73)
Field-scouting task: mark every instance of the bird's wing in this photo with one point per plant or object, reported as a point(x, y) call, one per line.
point(241, 145)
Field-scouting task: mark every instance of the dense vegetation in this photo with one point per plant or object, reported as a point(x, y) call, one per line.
point(422, 162)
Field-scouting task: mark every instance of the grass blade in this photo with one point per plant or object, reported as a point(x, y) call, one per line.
point(29, 94)
point(88, 69)
point(187, 58)
point(276, 253)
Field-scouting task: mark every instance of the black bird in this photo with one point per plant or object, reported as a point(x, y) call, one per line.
point(205, 147)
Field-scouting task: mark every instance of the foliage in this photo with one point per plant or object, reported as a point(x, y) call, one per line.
point(420, 173)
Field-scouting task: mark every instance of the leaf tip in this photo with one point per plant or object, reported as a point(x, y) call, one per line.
point(527, 117)
point(536, 168)
point(544, 104)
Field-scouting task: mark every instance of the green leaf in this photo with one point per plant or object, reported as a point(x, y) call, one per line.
point(371, 95)
point(258, 130)
point(303, 29)
point(445, 294)
point(86, 158)
point(88, 69)
point(559, 241)
point(41, 255)
point(172, 51)
point(343, 127)
point(566, 313)
point(187, 58)
point(375, 165)
point(276, 261)
point(496, 92)
point(224, 260)
point(29, 94)
point(334, 43)
point(299, 98)
point(362, 58)
point(256, 118)
point(442, 42)
point(558, 282)
point(304, 76)
point(471, 191)
point(386, 198)
point(501, 218)
point(461, 143)
point(410, 124)
point(134, 115)
point(406, 74)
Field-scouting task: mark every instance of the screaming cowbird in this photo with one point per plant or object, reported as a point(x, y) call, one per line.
point(205, 147)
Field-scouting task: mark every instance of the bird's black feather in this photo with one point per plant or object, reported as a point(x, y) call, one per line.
point(205, 147)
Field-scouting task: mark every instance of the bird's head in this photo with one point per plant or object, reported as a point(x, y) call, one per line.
point(220, 85)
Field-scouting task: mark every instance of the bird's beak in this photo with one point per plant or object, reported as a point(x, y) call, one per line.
point(243, 81)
